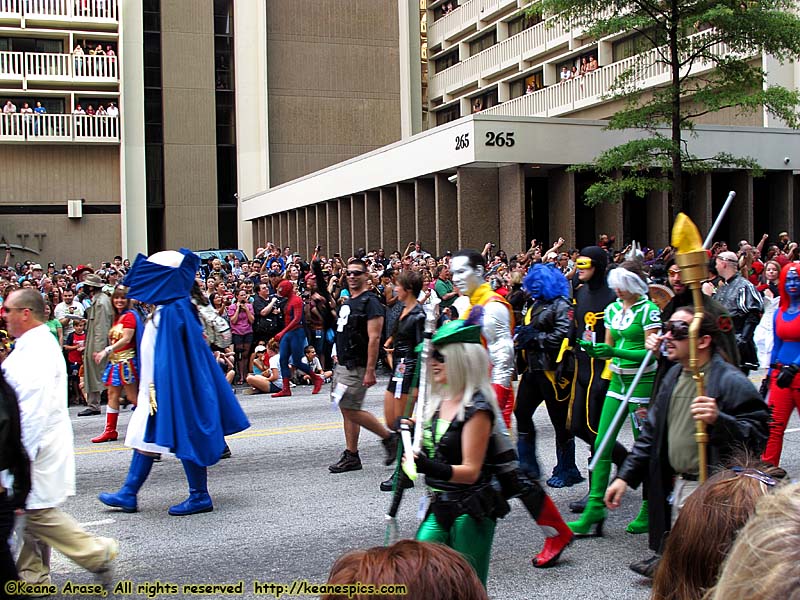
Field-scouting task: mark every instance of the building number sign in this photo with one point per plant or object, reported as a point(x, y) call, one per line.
point(493, 138)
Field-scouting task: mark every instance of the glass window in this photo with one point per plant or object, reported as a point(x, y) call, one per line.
point(443, 62)
point(529, 84)
point(483, 42)
point(522, 23)
point(447, 115)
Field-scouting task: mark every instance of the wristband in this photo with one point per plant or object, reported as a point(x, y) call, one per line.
point(107, 350)
point(438, 470)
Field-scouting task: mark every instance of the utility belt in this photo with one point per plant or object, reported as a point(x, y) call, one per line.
point(485, 502)
point(122, 356)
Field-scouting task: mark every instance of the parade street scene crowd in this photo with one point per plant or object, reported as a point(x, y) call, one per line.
point(572, 380)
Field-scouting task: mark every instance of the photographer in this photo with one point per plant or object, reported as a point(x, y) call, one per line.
point(241, 318)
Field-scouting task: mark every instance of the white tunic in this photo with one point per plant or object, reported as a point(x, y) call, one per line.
point(38, 374)
point(138, 423)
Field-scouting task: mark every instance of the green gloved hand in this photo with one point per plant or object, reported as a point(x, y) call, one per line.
point(603, 351)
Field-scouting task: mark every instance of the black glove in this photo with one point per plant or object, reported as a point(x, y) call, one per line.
point(525, 336)
point(434, 468)
point(786, 376)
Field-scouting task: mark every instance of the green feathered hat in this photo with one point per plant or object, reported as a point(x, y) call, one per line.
point(455, 332)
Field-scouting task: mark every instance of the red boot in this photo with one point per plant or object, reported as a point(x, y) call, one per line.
point(110, 434)
point(285, 391)
point(505, 401)
point(550, 521)
point(318, 381)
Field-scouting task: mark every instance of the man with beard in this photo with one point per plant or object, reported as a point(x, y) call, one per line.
point(591, 298)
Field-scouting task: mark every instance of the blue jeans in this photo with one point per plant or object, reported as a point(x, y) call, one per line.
point(292, 345)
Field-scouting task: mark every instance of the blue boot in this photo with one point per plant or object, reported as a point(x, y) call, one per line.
point(526, 449)
point(125, 498)
point(198, 501)
point(565, 473)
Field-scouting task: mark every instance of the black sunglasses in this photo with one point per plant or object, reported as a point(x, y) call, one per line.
point(678, 329)
point(437, 356)
point(354, 273)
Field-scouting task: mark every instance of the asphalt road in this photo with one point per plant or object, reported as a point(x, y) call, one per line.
point(281, 516)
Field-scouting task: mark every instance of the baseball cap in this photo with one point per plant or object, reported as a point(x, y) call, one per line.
point(36, 266)
point(260, 348)
point(728, 256)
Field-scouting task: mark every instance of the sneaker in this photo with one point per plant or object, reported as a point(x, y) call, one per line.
point(105, 574)
point(88, 412)
point(646, 567)
point(390, 446)
point(388, 485)
point(349, 461)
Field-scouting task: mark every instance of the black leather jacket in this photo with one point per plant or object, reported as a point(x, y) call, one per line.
point(742, 422)
point(550, 323)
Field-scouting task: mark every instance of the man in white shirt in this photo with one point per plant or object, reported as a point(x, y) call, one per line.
point(68, 311)
point(37, 373)
point(112, 110)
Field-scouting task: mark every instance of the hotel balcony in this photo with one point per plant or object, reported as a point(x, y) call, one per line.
point(595, 88)
point(508, 53)
point(59, 128)
point(48, 68)
point(93, 14)
point(465, 18)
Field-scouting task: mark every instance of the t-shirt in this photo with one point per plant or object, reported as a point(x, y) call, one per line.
point(316, 366)
point(352, 340)
point(54, 325)
point(62, 310)
point(682, 447)
point(275, 363)
point(444, 287)
point(241, 325)
point(74, 339)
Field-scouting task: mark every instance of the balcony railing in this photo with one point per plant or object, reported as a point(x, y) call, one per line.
point(46, 66)
point(58, 128)
point(464, 16)
point(596, 87)
point(62, 11)
point(509, 52)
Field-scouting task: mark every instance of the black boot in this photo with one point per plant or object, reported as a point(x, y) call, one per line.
point(578, 506)
point(526, 449)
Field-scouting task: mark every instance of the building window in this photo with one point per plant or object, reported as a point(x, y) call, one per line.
point(630, 46)
point(446, 61)
point(445, 9)
point(483, 42)
point(522, 23)
point(527, 85)
point(484, 101)
point(227, 181)
point(447, 115)
point(153, 126)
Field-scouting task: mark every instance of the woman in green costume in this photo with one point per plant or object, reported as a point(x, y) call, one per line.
point(630, 320)
point(464, 506)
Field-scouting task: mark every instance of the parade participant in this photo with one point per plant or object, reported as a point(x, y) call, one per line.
point(37, 373)
point(358, 338)
point(186, 406)
point(550, 367)
point(629, 322)
point(99, 318)
point(591, 298)
point(666, 450)
point(784, 387)
point(121, 371)
point(15, 461)
point(458, 428)
point(468, 268)
point(744, 304)
point(292, 339)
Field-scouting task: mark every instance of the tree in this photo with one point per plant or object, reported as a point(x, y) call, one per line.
point(707, 47)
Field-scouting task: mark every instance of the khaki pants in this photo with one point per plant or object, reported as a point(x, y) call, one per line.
point(683, 489)
point(51, 527)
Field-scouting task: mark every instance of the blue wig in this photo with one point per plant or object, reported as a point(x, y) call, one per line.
point(546, 282)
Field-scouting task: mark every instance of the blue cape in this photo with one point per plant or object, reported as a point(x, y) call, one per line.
point(196, 406)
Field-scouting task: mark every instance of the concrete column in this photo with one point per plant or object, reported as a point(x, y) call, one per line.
point(334, 240)
point(781, 204)
point(322, 226)
point(372, 219)
point(388, 201)
point(283, 227)
point(658, 225)
point(740, 214)
point(511, 200)
point(698, 206)
point(478, 207)
point(345, 228)
point(425, 212)
point(561, 187)
point(292, 215)
point(406, 217)
point(358, 222)
point(302, 235)
point(609, 218)
point(410, 73)
point(446, 217)
point(312, 239)
point(273, 228)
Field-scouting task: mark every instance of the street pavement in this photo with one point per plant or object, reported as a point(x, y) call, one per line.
point(280, 516)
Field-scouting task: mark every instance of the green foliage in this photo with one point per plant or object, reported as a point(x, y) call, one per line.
point(710, 45)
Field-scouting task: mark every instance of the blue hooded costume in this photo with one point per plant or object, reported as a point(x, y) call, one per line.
point(192, 406)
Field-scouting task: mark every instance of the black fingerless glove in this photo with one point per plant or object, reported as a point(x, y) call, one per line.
point(434, 468)
point(786, 376)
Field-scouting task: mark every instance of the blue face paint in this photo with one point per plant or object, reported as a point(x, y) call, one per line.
point(792, 285)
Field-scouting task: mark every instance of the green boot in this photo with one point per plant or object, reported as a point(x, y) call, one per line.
point(594, 515)
point(641, 523)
